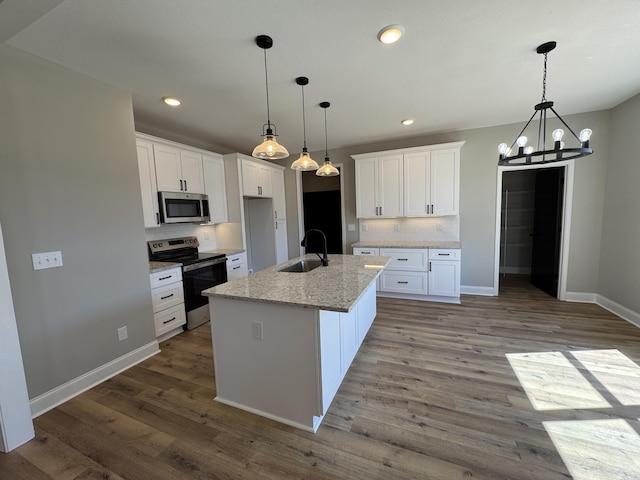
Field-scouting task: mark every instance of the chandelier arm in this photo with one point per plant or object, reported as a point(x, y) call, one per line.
point(565, 124)
point(523, 129)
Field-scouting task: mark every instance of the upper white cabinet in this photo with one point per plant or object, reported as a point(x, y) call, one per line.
point(411, 182)
point(178, 170)
point(277, 185)
point(148, 185)
point(215, 188)
point(256, 179)
point(379, 186)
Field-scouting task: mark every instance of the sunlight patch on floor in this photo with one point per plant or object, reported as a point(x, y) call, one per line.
point(597, 449)
point(552, 382)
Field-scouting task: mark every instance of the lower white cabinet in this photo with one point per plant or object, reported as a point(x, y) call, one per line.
point(236, 266)
point(418, 273)
point(167, 296)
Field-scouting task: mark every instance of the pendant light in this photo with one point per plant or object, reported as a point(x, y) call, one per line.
point(305, 163)
point(269, 148)
point(526, 155)
point(326, 170)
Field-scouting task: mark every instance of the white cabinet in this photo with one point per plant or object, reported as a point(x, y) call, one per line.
point(256, 179)
point(410, 182)
point(406, 272)
point(282, 245)
point(236, 266)
point(366, 251)
point(148, 185)
point(277, 185)
point(444, 272)
point(178, 170)
point(167, 297)
point(431, 183)
point(215, 188)
point(379, 186)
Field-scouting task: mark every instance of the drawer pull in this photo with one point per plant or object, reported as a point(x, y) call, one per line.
point(165, 278)
point(402, 282)
point(168, 296)
point(235, 268)
point(444, 254)
point(235, 259)
point(365, 253)
point(168, 321)
point(403, 259)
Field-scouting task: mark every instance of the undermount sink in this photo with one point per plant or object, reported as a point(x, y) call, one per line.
point(302, 266)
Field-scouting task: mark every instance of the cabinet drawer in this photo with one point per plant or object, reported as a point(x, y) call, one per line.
point(167, 296)
point(165, 277)
point(366, 251)
point(236, 271)
point(169, 319)
point(409, 259)
point(404, 282)
point(444, 254)
point(236, 259)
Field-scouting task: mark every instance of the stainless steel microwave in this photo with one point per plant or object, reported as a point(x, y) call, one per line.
point(176, 207)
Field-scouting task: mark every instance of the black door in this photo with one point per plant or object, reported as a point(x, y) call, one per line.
point(547, 229)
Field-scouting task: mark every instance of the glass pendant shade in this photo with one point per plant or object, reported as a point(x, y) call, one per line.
point(305, 163)
point(327, 169)
point(270, 148)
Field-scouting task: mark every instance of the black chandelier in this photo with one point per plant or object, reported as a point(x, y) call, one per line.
point(525, 155)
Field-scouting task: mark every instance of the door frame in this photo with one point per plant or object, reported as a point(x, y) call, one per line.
point(301, 210)
point(565, 236)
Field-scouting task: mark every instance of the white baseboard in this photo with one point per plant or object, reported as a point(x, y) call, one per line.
point(617, 309)
point(580, 297)
point(286, 421)
point(51, 399)
point(472, 290)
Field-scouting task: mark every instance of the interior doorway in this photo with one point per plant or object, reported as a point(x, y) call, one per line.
point(321, 206)
point(533, 213)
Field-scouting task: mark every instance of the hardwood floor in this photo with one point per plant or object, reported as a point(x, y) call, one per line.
point(430, 395)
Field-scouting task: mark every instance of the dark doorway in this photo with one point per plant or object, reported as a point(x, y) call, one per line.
point(322, 209)
point(547, 229)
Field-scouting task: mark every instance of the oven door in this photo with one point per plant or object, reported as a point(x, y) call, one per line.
point(196, 278)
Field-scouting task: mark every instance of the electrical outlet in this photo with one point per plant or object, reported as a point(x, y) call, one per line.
point(46, 260)
point(351, 227)
point(364, 227)
point(396, 227)
point(122, 334)
point(256, 330)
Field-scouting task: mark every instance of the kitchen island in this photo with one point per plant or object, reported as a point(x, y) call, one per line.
point(283, 341)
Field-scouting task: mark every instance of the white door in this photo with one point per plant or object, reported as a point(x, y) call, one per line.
point(282, 245)
point(417, 195)
point(168, 172)
point(215, 188)
point(444, 278)
point(249, 178)
point(148, 185)
point(390, 186)
point(277, 184)
point(366, 188)
point(191, 168)
point(445, 178)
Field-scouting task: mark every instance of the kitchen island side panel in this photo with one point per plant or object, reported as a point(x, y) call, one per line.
point(276, 376)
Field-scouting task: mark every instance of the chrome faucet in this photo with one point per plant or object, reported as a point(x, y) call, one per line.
point(323, 259)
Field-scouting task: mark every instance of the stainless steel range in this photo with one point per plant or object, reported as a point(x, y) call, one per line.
point(199, 272)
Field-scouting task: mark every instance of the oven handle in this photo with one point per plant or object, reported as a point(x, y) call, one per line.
point(199, 265)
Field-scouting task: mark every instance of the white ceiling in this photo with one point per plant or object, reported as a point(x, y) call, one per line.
point(461, 63)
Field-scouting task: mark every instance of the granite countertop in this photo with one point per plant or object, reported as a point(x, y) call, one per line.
point(405, 244)
point(336, 287)
point(159, 266)
point(225, 251)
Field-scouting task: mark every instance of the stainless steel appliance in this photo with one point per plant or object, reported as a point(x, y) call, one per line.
point(199, 272)
point(177, 207)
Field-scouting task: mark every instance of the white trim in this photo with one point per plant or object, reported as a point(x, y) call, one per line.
point(473, 290)
point(51, 399)
point(286, 421)
point(567, 206)
point(299, 193)
point(619, 310)
point(430, 148)
point(581, 297)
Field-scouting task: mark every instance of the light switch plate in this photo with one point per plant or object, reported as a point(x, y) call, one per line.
point(46, 260)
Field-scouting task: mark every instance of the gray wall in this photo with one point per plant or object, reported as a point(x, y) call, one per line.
point(620, 260)
point(69, 182)
point(478, 183)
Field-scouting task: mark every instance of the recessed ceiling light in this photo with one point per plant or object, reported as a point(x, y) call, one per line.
point(390, 34)
point(172, 101)
point(407, 121)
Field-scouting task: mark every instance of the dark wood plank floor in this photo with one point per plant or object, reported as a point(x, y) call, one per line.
point(430, 396)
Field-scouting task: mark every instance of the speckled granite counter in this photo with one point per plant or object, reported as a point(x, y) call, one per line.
point(335, 288)
point(225, 251)
point(405, 244)
point(159, 266)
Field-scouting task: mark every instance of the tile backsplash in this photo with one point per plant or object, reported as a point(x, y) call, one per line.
point(205, 233)
point(446, 229)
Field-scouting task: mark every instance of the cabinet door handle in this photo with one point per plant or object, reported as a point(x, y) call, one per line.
point(168, 321)
point(276, 225)
point(235, 268)
point(164, 278)
point(181, 189)
point(185, 185)
point(432, 212)
point(365, 253)
point(444, 254)
point(168, 296)
point(275, 212)
point(157, 218)
point(403, 259)
point(428, 210)
point(429, 266)
point(402, 282)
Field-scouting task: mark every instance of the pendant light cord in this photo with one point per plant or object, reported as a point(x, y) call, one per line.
point(266, 82)
point(304, 122)
point(326, 143)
